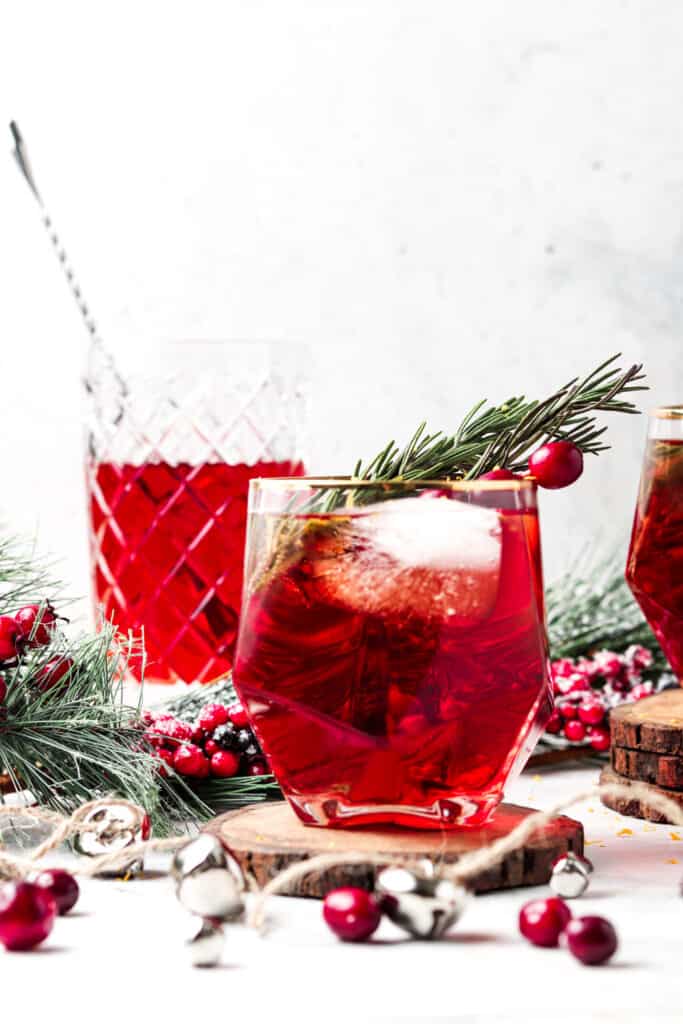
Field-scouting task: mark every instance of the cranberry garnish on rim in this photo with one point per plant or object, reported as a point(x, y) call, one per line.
point(556, 464)
point(352, 914)
point(543, 921)
point(27, 914)
point(592, 939)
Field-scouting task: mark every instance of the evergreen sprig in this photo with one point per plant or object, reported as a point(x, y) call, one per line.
point(505, 434)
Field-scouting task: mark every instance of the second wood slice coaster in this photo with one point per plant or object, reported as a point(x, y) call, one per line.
point(659, 769)
point(632, 806)
point(654, 724)
point(268, 837)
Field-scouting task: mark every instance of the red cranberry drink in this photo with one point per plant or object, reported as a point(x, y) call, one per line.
point(392, 651)
point(168, 547)
point(655, 562)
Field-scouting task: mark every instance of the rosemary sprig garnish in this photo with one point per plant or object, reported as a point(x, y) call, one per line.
point(505, 434)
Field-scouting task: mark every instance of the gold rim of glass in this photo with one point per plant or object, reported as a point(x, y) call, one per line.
point(668, 412)
point(349, 482)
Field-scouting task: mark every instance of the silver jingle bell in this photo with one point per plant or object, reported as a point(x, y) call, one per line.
point(570, 874)
point(422, 904)
point(116, 826)
point(209, 881)
point(205, 943)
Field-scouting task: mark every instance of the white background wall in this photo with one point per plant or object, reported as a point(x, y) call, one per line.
point(447, 199)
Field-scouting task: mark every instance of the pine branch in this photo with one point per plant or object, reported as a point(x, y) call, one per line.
point(504, 435)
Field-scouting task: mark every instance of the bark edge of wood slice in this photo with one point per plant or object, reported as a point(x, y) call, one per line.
point(642, 765)
point(631, 807)
point(267, 837)
point(654, 724)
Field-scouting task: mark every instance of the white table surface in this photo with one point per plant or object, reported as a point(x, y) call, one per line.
point(121, 954)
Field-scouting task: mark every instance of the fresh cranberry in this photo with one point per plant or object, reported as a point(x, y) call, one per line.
point(499, 474)
point(554, 723)
point(620, 684)
point(212, 716)
point(37, 624)
point(556, 464)
point(225, 764)
point(352, 914)
point(592, 940)
point(27, 914)
point(53, 672)
point(591, 712)
point(257, 768)
point(238, 716)
point(10, 635)
point(211, 748)
point(167, 757)
point(198, 735)
point(189, 760)
point(62, 886)
point(542, 921)
point(599, 738)
point(575, 731)
point(568, 711)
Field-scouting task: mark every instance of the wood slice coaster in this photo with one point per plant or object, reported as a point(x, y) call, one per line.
point(654, 724)
point(660, 769)
point(631, 806)
point(268, 837)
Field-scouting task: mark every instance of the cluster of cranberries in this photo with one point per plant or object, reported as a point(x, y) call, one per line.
point(31, 627)
point(549, 922)
point(586, 688)
point(219, 743)
point(28, 909)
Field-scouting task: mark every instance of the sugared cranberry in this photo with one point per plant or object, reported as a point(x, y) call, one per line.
point(189, 760)
point(169, 729)
point(225, 764)
point(568, 711)
point(10, 635)
point(638, 657)
point(608, 664)
point(543, 921)
point(198, 735)
point(238, 716)
point(599, 738)
point(556, 464)
point(563, 667)
point(166, 756)
point(36, 623)
point(62, 886)
point(212, 716)
point(53, 672)
point(642, 690)
point(592, 940)
point(352, 914)
point(257, 768)
point(591, 712)
point(575, 731)
point(27, 914)
point(554, 723)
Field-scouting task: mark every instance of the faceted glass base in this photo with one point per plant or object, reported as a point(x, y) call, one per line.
point(446, 813)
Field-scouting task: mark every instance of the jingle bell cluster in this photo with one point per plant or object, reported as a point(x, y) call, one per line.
point(421, 902)
point(111, 827)
point(210, 884)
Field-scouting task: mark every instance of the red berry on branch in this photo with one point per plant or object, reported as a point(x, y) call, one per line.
point(167, 757)
point(10, 636)
point(591, 712)
point(145, 827)
point(224, 764)
point(238, 716)
point(563, 667)
point(53, 672)
point(212, 716)
point(543, 921)
point(499, 474)
point(554, 723)
point(592, 940)
point(352, 914)
point(169, 729)
point(62, 886)
point(575, 731)
point(556, 464)
point(257, 768)
point(642, 690)
point(37, 624)
point(3, 689)
point(189, 760)
point(211, 748)
point(599, 738)
point(568, 711)
point(27, 914)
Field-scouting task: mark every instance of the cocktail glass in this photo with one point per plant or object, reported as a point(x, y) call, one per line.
point(392, 651)
point(654, 569)
point(174, 435)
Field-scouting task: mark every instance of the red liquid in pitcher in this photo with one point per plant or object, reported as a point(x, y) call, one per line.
point(655, 563)
point(168, 548)
point(391, 692)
